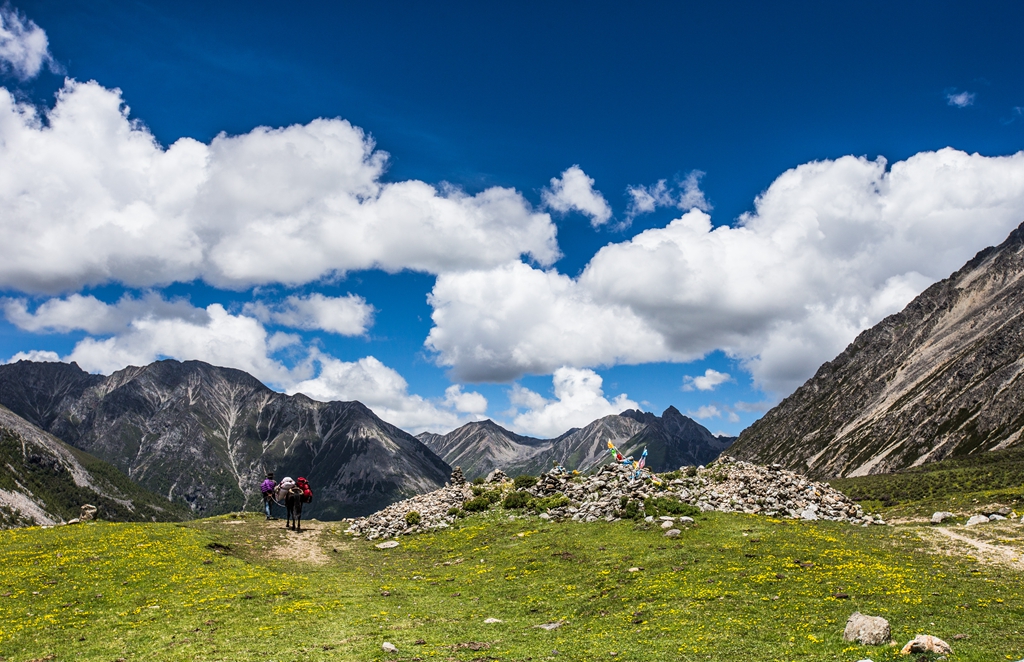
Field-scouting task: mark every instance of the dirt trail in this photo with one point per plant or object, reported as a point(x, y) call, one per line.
point(986, 552)
point(304, 546)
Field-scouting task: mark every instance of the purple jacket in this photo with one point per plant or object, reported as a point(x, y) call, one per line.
point(268, 486)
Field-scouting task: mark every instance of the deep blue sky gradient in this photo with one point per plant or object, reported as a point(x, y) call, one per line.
point(511, 94)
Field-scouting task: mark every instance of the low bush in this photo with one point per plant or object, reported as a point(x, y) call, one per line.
point(524, 481)
point(477, 504)
point(658, 506)
point(455, 511)
point(556, 500)
point(492, 496)
point(479, 480)
point(412, 518)
point(516, 500)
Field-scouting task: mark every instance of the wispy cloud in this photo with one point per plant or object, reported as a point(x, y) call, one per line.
point(960, 99)
point(24, 48)
point(686, 195)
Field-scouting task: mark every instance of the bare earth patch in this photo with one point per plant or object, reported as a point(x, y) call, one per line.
point(1007, 550)
point(285, 545)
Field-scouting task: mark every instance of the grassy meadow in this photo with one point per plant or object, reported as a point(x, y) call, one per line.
point(734, 587)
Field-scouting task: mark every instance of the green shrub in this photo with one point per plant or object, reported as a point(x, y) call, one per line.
point(412, 518)
point(515, 500)
point(477, 491)
point(524, 481)
point(658, 506)
point(479, 480)
point(556, 500)
point(671, 475)
point(691, 472)
point(455, 511)
point(477, 504)
point(630, 509)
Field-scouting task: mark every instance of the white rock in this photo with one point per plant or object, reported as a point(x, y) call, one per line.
point(941, 516)
point(867, 630)
point(808, 514)
point(976, 519)
point(389, 647)
point(390, 544)
point(995, 518)
point(492, 620)
point(672, 533)
point(667, 525)
point(686, 520)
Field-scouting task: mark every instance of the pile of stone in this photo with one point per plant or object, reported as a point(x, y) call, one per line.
point(433, 509)
point(728, 485)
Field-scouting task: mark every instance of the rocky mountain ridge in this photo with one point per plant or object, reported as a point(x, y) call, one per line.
point(204, 436)
point(672, 440)
point(44, 481)
point(941, 378)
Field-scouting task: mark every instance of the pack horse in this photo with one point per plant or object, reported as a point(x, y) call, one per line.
point(294, 494)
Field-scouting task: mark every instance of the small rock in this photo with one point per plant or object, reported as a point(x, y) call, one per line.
point(995, 517)
point(420, 642)
point(686, 520)
point(672, 533)
point(492, 620)
point(808, 515)
point(550, 626)
point(544, 516)
point(867, 630)
point(668, 524)
point(74, 521)
point(633, 570)
point(941, 516)
point(390, 544)
point(926, 643)
point(958, 637)
point(649, 519)
point(976, 519)
point(389, 647)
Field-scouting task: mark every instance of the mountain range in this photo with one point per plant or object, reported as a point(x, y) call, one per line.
point(944, 377)
point(45, 481)
point(203, 436)
point(672, 440)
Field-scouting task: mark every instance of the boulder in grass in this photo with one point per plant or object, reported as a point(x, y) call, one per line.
point(926, 643)
point(867, 630)
point(389, 647)
point(941, 516)
point(976, 519)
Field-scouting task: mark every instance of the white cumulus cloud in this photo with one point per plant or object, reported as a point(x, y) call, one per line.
point(706, 382)
point(831, 248)
point(574, 191)
point(87, 313)
point(386, 392)
point(349, 315)
point(705, 412)
point(579, 400)
point(37, 355)
point(24, 48)
point(499, 324)
point(89, 196)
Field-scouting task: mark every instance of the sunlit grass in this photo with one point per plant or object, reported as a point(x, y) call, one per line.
point(734, 588)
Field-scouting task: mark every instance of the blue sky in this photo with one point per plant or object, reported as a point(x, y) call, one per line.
point(539, 214)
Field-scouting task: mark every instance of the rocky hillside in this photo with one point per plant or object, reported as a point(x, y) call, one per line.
point(672, 440)
point(941, 378)
point(44, 481)
point(203, 436)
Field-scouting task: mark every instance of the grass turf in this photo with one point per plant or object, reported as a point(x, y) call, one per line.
point(735, 587)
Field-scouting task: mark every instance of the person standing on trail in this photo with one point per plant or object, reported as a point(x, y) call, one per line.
point(267, 489)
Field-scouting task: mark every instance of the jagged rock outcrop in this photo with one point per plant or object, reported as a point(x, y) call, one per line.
point(44, 481)
point(942, 377)
point(672, 440)
point(204, 436)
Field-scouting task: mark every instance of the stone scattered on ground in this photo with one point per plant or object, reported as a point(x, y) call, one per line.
point(550, 626)
point(867, 630)
point(727, 485)
point(941, 516)
point(389, 647)
point(976, 519)
point(492, 620)
point(390, 544)
point(672, 533)
point(926, 643)
point(88, 512)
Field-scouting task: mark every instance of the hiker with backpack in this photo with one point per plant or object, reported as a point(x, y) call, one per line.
point(267, 490)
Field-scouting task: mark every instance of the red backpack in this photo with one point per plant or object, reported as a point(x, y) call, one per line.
point(307, 494)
